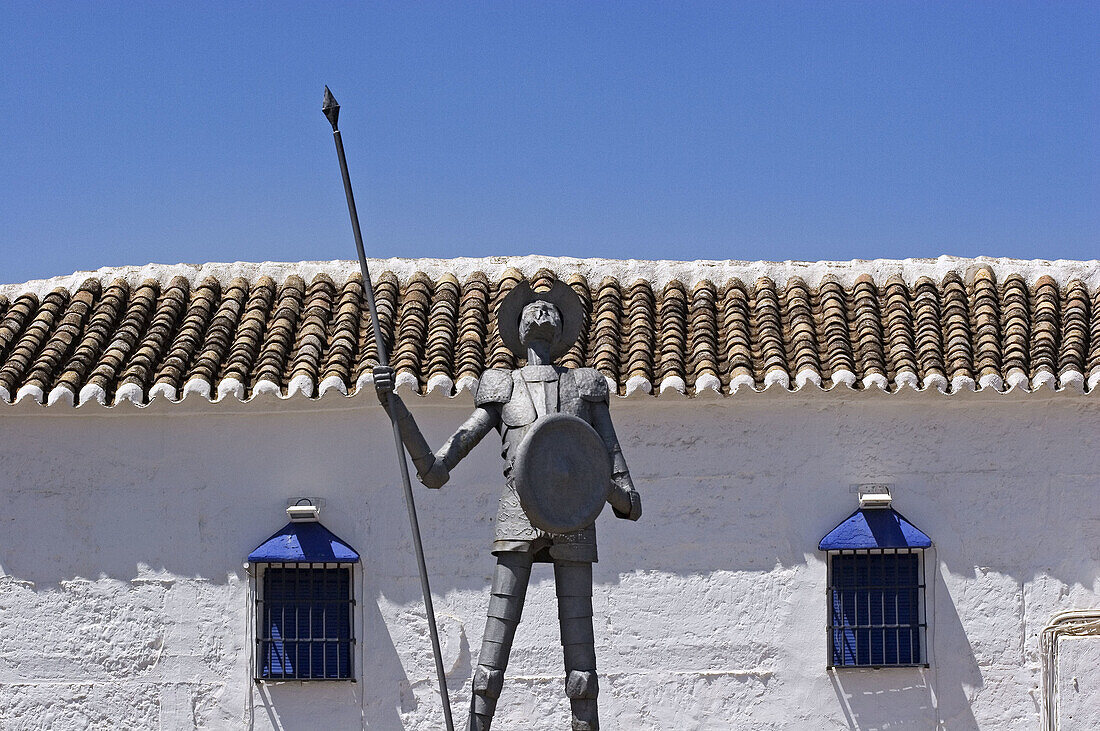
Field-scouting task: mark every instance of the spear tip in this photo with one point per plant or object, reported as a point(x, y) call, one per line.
point(330, 108)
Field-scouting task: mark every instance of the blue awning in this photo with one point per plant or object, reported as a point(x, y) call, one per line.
point(304, 542)
point(874, 528)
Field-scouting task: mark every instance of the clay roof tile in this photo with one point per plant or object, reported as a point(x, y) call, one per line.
point(971, 325)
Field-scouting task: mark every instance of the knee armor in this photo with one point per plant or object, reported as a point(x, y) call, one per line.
point(582, 684)
point(488, 681)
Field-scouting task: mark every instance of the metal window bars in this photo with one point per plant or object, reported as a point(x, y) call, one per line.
point(876, 605)
point(304, 621)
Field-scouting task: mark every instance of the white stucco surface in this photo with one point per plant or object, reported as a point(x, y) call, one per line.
point(124, 604)
point(1079, 684)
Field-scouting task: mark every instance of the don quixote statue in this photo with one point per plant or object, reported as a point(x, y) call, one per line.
point(562, 464)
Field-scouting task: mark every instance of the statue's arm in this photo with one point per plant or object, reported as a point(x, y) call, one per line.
point(624, 499)
point(431, 469)
point(484, 419)
point(428, 470)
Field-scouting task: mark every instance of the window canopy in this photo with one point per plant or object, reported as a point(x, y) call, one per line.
point(304, 542)
point(874, 528)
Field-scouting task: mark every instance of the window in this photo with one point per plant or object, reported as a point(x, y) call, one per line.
point(304, 622)
point(305, 602)
point(876, 608)
point(875, 589)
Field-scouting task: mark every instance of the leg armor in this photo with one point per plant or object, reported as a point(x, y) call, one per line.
point(505, 606)
point(574, 588)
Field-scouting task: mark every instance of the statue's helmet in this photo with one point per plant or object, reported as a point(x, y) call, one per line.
point(561, 296)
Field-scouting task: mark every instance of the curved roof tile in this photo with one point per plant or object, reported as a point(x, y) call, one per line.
point(245, 330)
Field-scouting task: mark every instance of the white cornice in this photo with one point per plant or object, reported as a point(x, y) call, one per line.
point(658, 273)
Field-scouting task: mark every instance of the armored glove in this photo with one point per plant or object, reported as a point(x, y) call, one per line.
point(383, 383)
point(624, 499)
point(435, 476)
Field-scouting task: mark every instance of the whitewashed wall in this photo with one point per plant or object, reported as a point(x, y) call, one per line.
point(123, 601)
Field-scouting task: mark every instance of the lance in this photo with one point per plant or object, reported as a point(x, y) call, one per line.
point(332, 111)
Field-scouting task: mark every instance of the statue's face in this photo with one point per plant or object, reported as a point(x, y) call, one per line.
point(539, 320)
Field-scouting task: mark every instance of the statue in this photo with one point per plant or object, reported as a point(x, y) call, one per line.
point(562, 463)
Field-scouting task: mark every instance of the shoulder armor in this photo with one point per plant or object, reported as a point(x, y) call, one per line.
point(591, 384)
point(494, 387)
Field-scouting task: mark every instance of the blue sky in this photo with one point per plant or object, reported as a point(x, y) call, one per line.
point(193, 132)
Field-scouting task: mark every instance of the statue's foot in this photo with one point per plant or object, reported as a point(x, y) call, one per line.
point(585, 715)
point(479, 722)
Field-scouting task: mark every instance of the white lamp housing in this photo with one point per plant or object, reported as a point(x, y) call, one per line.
point(303, 513)
point(875, 496)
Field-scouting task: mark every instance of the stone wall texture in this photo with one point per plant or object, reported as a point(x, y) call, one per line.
point(124, 602)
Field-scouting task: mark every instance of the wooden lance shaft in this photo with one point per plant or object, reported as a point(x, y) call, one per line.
point(332, 111)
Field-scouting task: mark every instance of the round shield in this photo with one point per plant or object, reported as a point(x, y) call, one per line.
point(562, 473)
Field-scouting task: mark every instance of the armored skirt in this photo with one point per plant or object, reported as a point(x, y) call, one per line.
point(514, 532)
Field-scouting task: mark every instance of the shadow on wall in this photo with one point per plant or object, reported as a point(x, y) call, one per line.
point(293, 706)
point(913, 699)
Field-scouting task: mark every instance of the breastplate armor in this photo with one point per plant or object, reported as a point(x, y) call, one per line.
point(536, 391)
point(524, 394)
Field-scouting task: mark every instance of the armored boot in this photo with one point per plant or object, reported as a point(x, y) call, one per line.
point(510, 580)
point(574, 589)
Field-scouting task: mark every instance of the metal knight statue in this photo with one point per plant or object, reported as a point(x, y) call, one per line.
point(562, 463)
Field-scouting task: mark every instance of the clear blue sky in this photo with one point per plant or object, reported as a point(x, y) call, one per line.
point(192, 131)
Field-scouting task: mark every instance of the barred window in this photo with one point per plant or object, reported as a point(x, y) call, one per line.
point(875, 588)
point(304, 622)
point(876, 608)
point(305, 601)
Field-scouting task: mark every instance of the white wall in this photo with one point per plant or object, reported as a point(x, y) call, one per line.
point(123, 601)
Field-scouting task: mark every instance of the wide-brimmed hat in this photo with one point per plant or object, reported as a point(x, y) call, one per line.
point(561, 296)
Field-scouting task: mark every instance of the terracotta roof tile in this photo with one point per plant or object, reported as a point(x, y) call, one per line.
point(802, 332)
point(671, 337)
point(575, 357)
point(736, 335)
point(929, 334)
point(639, 342)
point(772, 357)
point(439, 355)
point(274, 357)
point(702, 342)
point(97, 333)
point(1075, 331)
point(1015, 330)
point(497, 354)
point(129, 336)
point(1045, 330)
point(189, 336)
point(31, 340)
point(866, 329)
point(250, 332)
point(61, 341)
point(144, 361)
point(311, 339)
point(958, 350)
point(473, 321)
point(900, 333)
point(218, 338)
point(343, 343)
point(604, 340)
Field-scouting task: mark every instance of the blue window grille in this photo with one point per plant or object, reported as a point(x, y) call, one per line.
point(876, 591)
point(304, 622)
point(305, 603)
point(876, 608)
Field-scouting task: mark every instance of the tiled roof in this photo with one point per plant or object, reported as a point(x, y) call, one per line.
point(246, 330)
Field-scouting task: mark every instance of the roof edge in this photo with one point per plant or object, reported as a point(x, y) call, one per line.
point(657, 272)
